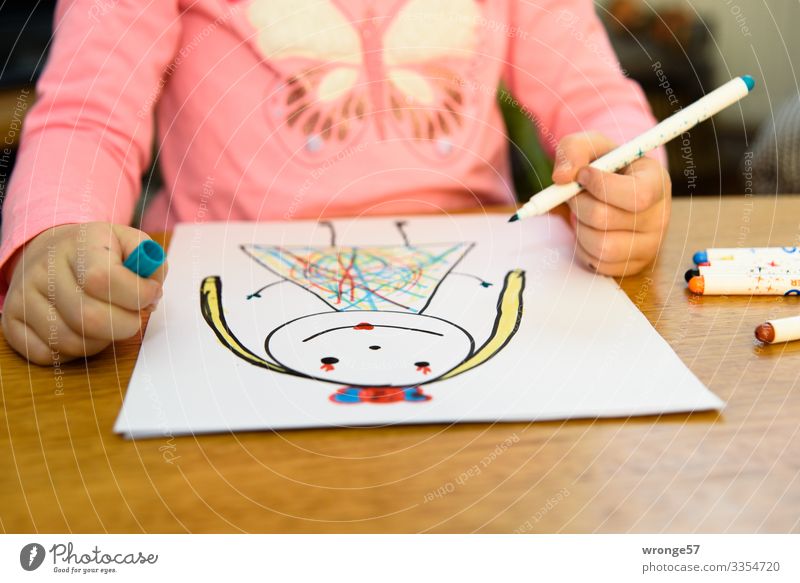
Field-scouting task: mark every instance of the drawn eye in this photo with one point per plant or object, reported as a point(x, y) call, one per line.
point(374, 347)
point(328, 362)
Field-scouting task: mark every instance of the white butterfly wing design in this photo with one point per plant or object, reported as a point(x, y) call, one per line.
point(337, 71)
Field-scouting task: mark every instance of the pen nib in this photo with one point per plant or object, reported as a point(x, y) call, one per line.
point(513, 218)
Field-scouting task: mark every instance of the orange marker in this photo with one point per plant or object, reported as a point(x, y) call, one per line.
point(781, 330)
point(743, 284)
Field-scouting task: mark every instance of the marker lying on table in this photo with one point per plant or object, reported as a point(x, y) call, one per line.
point(744, 284)
point(791, 272)
point(765, 255)
point(146, 258)
point(670, 128)
point(782, 330)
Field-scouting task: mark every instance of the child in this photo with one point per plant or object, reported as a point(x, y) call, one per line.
point(283, 109)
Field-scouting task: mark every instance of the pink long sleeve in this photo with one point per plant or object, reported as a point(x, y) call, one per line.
point(271, 114)
point(88, 138)
point(562, 68)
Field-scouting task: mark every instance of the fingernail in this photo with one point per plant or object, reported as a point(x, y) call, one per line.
point(583, 176)
point(152, 305)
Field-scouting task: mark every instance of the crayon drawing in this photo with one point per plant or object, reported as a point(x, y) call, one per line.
point(373, 336)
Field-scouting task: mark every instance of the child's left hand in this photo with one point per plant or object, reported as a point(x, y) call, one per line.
point(619, 219)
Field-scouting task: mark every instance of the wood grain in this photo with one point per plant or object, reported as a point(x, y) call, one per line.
point(63, 470)
point(14, 104)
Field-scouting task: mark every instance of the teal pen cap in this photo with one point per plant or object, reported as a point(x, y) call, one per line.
point(146, 258)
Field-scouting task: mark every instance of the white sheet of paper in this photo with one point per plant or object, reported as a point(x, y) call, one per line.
point(397, 315)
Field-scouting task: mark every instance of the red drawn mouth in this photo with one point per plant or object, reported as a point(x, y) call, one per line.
point(326, 367)
point(364, 326)
point(424, 369)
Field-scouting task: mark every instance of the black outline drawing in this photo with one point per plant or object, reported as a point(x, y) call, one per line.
point(508, 317)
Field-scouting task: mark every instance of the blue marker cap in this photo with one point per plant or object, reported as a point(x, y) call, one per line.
point(146, 258)
point(700, 257)
point(749, 81)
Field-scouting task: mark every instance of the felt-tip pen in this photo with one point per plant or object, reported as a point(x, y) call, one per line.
point(145, 258)
point(669, 129)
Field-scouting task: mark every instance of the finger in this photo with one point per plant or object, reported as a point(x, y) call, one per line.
point(92, 318)
point(26, 341)
point(594, 213)
point(616, 269)
point(618, 246)
point(160, 274)
point(19, 335)
point(54, 330)
point(129, 239)
point(576, 151)
point(644, 183)
point(102, 275)
point(96, 320)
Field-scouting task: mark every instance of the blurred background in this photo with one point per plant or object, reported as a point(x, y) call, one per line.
point(700, 45)
point(676, 49)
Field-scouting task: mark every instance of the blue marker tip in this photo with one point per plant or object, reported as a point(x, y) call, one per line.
point(146, 258)
point(700, 257)
point(749, 81)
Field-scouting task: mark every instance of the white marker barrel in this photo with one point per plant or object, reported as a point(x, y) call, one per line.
point(751, 269)
point(786, 329)
point(670, 128)
point(674, 126)
point(753, 254)
point(716, 284)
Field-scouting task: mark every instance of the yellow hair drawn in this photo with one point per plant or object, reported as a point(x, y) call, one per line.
point(506, 323)
point(211, 308)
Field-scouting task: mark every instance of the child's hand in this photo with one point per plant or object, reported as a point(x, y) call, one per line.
point(70, 295)
point(619, 219)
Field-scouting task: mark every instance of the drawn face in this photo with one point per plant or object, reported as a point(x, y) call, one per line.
point(370, 349)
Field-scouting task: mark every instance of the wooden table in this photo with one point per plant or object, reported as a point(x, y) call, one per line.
point(14, 104)
point(62, 468)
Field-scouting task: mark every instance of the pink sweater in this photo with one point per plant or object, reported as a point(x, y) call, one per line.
point(281, 109)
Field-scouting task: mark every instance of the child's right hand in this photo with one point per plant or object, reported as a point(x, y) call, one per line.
point(70, 295)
